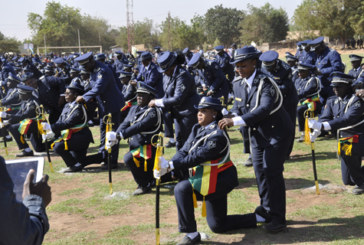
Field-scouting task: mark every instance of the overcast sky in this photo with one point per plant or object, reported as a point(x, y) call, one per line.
point(14, 14)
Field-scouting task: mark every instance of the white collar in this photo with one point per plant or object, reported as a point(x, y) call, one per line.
point(249, 80)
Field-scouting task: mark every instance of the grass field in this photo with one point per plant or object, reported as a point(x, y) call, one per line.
point(82, 211)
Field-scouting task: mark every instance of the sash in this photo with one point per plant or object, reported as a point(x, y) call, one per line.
point(66, 134)
point(23, 128)
point(128, 105)
point(345, 145)
point(143, 151)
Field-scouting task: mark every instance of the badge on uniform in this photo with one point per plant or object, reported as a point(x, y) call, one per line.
point(272, 91)
point(211, 145)
point(357, 104)
point(99, 76)
point(152, 114)
point(183, 88)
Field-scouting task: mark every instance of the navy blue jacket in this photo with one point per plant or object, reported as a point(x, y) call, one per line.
point(152, 77)
point(307, 57)
point(307, 87)
point(27, 111)
point(140, 125)
point(343, 113)
point(355, 72)
point(223, 59)
point(180, 95)
point(104, 90)
point(21, 223)
point(262, 110)
point(12, 99)
point(328, 62)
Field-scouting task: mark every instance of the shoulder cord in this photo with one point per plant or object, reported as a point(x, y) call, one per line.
point(351, 126)
point(318, 85)
point(158, 124)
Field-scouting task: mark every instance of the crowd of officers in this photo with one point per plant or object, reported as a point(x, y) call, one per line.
point(52, 101)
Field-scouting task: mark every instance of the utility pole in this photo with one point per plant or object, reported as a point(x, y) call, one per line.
point(169, 31)
point(130, 23)
point(45, 45)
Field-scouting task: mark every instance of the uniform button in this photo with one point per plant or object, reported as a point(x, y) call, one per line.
point(247, 105)
point(254, 129)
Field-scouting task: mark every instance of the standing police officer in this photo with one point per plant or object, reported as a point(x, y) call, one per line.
point(258, 100)
point(356, 64)
point(109, 98)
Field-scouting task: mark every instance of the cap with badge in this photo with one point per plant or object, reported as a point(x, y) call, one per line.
point(145, 88)
point(124, 74)
point(210, 102)
point(185, 51)
point(245, 53)
point(195, 60)
point(76, 85)
point(101, 56)
point(291, 57)
point(59, 61)
point(219, 48)
point(24, 89)
point(13, 77)
point(340, 78)
point(166, 60)
point(354, 57)
point(269, 58)
point(146, 56)
point(27, 76)
point(305, 66)
point(316, 43)
point(85, 58)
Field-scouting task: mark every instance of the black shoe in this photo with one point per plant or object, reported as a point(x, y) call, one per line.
point(248, 162)
point(105, 166)
point(75, 168)
point(260, 210)
point(170, 144)
point(25, 154)
point(274, 227)
point(186, 240)
point(358, 190)
point(142, 190)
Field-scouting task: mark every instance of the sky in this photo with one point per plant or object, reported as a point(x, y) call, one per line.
point(14, 14)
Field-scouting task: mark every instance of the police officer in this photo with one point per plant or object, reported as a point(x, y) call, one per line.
point(188, 54)
point(223, 59)
point(307, 56)
point(24, 122)
point(328, 61)
point(108, 97)
point(210, 76)
point(179, 96)
point(120, 60)
point(259, 101)
point(139, 127)
point(150, 75)
point(62, 68)
point(129, 93)
point(356, 64)
point(282, 75)
point(344, 114)
point(308, 89)
point(207, 154)
point(72, 126)
point(292, 62)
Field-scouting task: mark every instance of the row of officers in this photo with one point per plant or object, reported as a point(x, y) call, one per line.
point(263, 94)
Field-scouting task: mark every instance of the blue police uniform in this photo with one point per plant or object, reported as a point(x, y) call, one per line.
point(208, 148)
point(152, 77)
point(139, 127)
point(180, 97)
point(345, 117)
point(326, 63)
point(109, 98)
point(223, 60)
point(270, 131)
point(28, 110)
point(356, 72)
point(307, 88)
point(72, 123)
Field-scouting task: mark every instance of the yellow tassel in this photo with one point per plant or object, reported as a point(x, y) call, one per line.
point(194, 199)
point(339, 148)
point(137, 163)
point(307, 132)
point(52, 145)
point(22, 139)
point(145, 166)
point(203, 208)
point(65, 145)
point(347, 149)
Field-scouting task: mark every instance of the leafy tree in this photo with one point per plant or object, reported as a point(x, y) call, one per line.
point(223, 24)
point(264, 24)
point(334, 18)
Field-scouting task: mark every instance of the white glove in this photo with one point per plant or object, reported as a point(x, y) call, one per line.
point(224, 112)
point(312, 123)
point(3, 114)
point(314, 135)
point(5, 123)
point(164, 166)
point(46, 126)
point(48, 136)
point(111, 139)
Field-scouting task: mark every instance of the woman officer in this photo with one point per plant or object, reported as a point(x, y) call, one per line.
point(207, 151)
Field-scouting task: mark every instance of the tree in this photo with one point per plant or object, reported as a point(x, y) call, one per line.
point(8, 44)
point(264, 24)
point(223, 24)
point(334, 18)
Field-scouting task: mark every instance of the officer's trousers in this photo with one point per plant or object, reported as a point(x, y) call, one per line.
point(268, 160)
point(216, 211)
point(352, 172)
point(35, 137)
point(142, 178)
